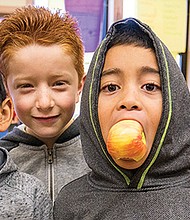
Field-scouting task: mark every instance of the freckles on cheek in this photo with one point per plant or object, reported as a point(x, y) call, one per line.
point(20, 107)
point(68, 100)
point(66, 106)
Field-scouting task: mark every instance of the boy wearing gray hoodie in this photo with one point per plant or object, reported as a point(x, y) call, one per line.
point(42, 61)
point(132, 79)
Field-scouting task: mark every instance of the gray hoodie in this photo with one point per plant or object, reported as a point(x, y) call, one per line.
point(54, 167)
point(21, 196)
point(160, 188)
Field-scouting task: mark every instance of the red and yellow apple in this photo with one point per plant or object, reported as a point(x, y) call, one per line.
point(126, 141)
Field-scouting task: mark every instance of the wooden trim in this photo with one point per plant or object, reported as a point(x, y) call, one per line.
point(118, 10)
point(10, 9)
point(7, 9)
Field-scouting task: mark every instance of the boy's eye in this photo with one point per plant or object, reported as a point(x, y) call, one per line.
point(151, 87)
point(27, 85)
point(59, 83)
point(110, 88)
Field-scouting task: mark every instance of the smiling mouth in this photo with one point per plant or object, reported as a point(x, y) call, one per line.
point(46, 119)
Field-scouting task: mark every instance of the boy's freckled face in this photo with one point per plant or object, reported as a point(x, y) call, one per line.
point(130, 89)
point(44, 86)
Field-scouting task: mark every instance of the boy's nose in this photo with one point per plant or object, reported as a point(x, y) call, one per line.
point(129, 101)
point(44, 100)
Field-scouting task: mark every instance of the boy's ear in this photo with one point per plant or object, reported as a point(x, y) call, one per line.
point(81, 85)
point(6, 114)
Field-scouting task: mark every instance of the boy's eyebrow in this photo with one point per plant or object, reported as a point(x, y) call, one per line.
point(111, 71)
point(148, 69)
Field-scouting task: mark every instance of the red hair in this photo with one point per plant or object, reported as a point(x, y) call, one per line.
point(32, 25)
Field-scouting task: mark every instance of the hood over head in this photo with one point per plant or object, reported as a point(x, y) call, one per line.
point(169, 159)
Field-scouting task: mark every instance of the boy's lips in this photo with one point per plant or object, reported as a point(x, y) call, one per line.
point(46, 119)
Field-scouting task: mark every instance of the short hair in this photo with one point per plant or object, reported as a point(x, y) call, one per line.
point(38, 25)
point(2, 90)
point(131, 34)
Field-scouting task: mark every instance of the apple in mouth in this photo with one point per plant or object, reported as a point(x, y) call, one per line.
point(126, 141)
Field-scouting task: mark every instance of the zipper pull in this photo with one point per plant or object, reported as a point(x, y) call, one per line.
point(50, 156)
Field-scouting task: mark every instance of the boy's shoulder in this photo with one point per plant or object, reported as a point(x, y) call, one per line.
point(71, 196)
point(26, 187)
point(24, 195)
point(74, 188)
